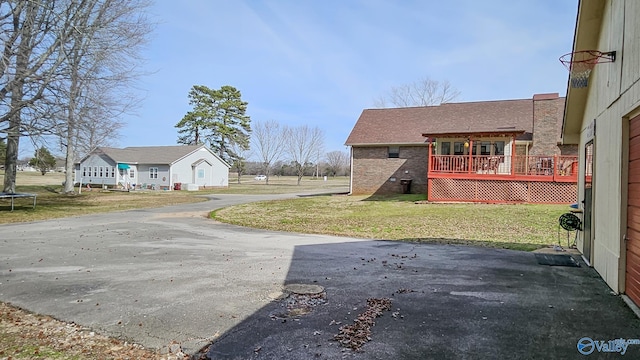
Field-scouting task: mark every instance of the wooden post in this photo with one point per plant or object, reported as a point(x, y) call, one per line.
point(470, 156)
point(513, 156)
point(429, 158)
point(429, 162)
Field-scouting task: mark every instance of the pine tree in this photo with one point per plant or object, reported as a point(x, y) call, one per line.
point(43, 160)
point(218, 119)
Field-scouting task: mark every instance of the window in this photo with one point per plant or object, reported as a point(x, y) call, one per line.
point(95, 171)
point(485, 148)
point(101, 171)
point(84, 171)
point(394, 151)
point(132, 173)
point(113, 172)
point(89, 171)
point(458, 148)
point(153, 173)
point(200, 173)
point(498, 148)
point(445, 148)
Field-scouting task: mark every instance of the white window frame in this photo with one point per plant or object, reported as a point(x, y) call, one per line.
point(153, 173)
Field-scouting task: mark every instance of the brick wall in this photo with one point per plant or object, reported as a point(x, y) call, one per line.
point(568, 149)
point(546, 110)
point(373, 170)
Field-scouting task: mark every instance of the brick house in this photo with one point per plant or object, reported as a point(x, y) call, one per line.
point(489, 151)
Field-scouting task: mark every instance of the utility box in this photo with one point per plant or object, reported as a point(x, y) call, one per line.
point(193, 187)
point(406, 185)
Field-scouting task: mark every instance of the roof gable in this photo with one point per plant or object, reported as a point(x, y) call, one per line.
point(152, 154)
point(406, 125)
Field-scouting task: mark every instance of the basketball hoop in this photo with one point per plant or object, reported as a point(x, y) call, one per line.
point(580, 64)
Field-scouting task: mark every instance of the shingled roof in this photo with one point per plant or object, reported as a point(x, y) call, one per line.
point(407, 125)
point(149, 154)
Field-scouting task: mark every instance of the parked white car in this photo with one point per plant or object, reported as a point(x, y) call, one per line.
point(261, 177)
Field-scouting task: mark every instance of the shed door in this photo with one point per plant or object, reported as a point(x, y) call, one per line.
point(632, 278)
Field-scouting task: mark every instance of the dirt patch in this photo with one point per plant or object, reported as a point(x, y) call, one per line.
point(24, 335)
point(186, 214)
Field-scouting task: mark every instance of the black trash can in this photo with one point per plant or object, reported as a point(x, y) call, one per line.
point(406, 186)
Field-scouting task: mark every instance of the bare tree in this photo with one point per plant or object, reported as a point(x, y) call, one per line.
point(101, 58)
point(424, 92)
point(43, 42)
point(303, 143)
point(337, 161)
point(239, 158)
point(268, 143)
point(32, 34)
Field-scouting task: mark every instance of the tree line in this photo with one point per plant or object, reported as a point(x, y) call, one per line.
point(318, 170)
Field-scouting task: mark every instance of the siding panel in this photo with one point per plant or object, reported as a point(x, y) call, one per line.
point(632, 278)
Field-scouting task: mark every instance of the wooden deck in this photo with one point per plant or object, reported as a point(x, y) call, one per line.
point(558, 168)
point(503, 179)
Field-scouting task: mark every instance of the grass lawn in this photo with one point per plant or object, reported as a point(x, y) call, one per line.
point(523, 227)
point(520, 227)
point(52, 204)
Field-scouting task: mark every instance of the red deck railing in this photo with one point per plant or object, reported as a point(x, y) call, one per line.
point(558, 168)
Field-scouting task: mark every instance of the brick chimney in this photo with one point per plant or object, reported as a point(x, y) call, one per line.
point(546, 110)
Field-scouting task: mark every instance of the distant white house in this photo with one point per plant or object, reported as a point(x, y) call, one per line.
point(153, 167)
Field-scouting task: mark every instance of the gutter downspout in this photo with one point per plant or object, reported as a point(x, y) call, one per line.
point(429, 162)
point(350, 171)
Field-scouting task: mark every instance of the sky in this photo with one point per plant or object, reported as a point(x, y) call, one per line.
point(321, 62)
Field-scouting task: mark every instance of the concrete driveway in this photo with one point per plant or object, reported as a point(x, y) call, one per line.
point(161, 275)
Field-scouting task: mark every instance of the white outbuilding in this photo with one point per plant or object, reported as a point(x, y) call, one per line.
point(153, 167)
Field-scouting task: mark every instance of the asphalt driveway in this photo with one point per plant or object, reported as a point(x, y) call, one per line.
point(170, 274)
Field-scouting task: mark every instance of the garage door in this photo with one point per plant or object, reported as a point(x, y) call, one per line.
point(632, 282)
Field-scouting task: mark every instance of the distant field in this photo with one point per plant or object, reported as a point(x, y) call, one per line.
point(277, 184)
point(283, 184)
point(29, 178)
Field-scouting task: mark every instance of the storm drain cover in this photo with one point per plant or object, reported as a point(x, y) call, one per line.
point(300, 300)
point(304, 289)
point(556, 260)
